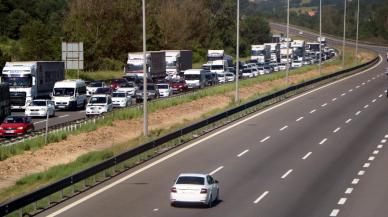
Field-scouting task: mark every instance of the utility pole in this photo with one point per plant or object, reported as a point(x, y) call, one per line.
point(344, 39)
point(145, 96)
point(288, 43)
point(237, 51)
point(320, 37)
point(358, 22)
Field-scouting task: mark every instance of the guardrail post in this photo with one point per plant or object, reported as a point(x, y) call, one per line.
point(49, 200)
point(61, 192)
point(34, 207)
point(21, 212)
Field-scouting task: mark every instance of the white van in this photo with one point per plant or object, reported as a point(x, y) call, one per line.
point(69, 94)
point(195, 78)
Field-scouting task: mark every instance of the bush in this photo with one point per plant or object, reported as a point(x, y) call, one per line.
point(110, 64)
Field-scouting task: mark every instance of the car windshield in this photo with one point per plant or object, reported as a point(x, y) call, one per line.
point(221, 75)
point(118, 95)
point(217, 67)
point(192, 77)
point(247, 70)
point(18, 81)
point(190, 180)
point(102, 90)
point(63, 91)
point(128, 85)
point(96, 84)
point(38, 103)
point(97, 100)
point(229, 75)
point(162, 86)
point(12, 120)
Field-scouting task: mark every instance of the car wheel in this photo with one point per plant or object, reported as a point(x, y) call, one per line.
point(218, 196)
point(209, 205)
point(173, 204)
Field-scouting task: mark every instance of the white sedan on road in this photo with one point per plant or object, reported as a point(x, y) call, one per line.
point(121, 99)
point(194, 188)
point(40, 108)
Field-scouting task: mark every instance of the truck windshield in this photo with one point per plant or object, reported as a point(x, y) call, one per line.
point(18, 81)
point(171, 65)
point(63, 92)
point(132, 67)
point(257, 52)
point(192, 77)
point(214, 58)
point(217, 67)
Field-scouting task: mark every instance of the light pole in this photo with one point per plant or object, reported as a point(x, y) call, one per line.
point(320, 37)
point(145, 96)
point(47, 123)
point(344, 39)
point(287, 41)
point(358, 22)
point(237, 50)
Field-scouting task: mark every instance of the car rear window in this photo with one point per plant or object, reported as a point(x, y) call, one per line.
point(191, 180)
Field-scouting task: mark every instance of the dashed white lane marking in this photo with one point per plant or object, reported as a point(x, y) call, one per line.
point(156, 209)
point(283, 128)
point(334, 212)
point(368, 80)
point(63, 116)
point(334, 99)
point(366, 106)
point(348, 121)
point(376, 152)
point(286, 174)
point(383, 141)
point(361, 172)
point(261, 197)
point(323, 105)
point(342, 201)
point(343, 94)
point(323, 141)
point(371, 158)
point(265, 139)
point(381, 95)
point(242, 153)
point(312, 111)
point(374, 100)
point(358, 86)
point(366, 165)
point(336, 130)
point(349, 191)
point(299, 119)
point(357, 113)
point(350, 90)
point(306, 156)
point(40, 122)
point(355, 181)
point(380, 146)
point(363, 83)
point(386, 136)
point(216, 170)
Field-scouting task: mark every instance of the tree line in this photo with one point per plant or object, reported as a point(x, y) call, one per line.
point(33, 30)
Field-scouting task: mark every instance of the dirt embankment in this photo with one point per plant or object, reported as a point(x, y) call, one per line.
point(74, 146)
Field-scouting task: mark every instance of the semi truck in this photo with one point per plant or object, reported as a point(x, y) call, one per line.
point(274, 51)
point(261, 53)
point(155, 64)
point(284, 55)
point(299, 48)
point(31, 80)
point(213, 55)
point(5, 101)
point(178, 61)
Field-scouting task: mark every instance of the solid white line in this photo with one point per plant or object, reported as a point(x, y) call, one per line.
point(366, 106)
point(307, 155)
point(286, 174)
point(371, 158)
point(376, 152)
point(366, 165)
point(336, 130)
point(265, 139)
point(323, 141)
point(323, 105)
point(357, 113)
point(349, 191)
point(361, 173)
point(383, 141)
point(334, 99)
point(349, 120)
point(334, 212)
point(261, 197)
point(216, 170)
point(91, 195)
point(283, 128)
point(299, 119)
point(355, 181)
point(312, 111)
point(63, 116)
point(342, 201)
point(242, 153)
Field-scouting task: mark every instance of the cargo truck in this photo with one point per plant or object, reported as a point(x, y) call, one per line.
point(284, 55)
point(261, 53)
point(155, 64)
point(31, 80)
point(299, 48)
point(274, 51)
point(214, 55)
point(178, 61)
point(5, 101)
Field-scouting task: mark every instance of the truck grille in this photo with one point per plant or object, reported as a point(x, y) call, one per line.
point(18, 98)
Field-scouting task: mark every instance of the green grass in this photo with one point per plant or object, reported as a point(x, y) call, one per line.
point(33, 181)
point(89, 76)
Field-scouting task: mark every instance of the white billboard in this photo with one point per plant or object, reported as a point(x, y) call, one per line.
point(73, 55)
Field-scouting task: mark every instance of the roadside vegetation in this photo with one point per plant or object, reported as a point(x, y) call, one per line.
point(28, 183)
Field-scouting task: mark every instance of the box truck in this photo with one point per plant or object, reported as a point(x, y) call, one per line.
point(155, 64)
point(178, 61)
point(261, 53)
point(214, 55)
point(5, 101)
point(31, 80)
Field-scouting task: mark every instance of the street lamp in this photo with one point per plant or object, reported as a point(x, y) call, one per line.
point(288, 43)
point(320, 37)
point(145, 96)
point(358, 22)
point(237, 50)
point(344, 39)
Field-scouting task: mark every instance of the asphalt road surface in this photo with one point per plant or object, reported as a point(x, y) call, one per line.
point(321, 153)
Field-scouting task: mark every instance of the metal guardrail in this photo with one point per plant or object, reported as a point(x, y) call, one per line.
point(61, 190)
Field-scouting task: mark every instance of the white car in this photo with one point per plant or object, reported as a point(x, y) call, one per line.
point(195, 188)
point(92, 87)
point(230, 77)
point(165, 90)
point(221, 77)
point(296, 64)
point(129, 87)
point(98, 104)
point(40, 108)
point(247, 73)
point(121, 99)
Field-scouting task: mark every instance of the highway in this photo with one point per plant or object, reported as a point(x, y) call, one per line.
point(321, 153)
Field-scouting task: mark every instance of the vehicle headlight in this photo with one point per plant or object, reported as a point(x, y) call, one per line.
point(20, 128)
point(1, 128)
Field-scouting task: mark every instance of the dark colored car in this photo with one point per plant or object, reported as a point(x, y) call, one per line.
point(116, 83)
point(152, 93)
point(104, 90)
point(15, 126)
point(178, 85)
